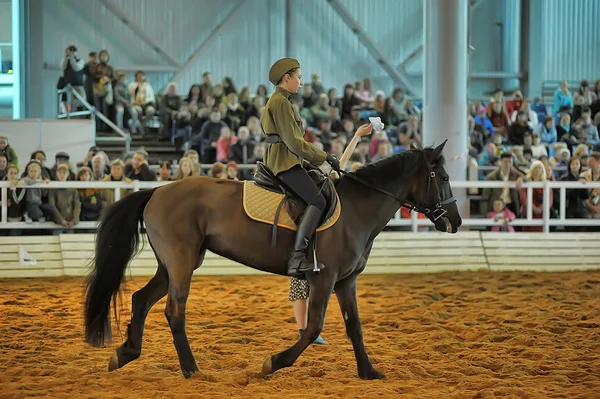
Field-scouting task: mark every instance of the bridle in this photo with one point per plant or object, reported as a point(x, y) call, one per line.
point(434, 213)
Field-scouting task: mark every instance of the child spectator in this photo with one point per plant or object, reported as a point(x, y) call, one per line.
point(501, 213)
point(223, 143)
point(232, 170)
point(117, 174)
point(91, 201)
point(165, 172)
point(185, 169)
point(66, 201)
point(37, 211)
point(218, 171)
point(16, 196)
point(8, 152)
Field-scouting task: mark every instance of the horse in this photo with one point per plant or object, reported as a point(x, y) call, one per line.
point(184, 219)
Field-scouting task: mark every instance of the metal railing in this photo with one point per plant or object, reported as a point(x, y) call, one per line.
point(546, 221)
point(90, 110)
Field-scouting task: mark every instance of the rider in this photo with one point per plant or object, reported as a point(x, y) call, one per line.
point(287, 152)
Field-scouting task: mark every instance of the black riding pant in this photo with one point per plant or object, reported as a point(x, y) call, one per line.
point(298, 180)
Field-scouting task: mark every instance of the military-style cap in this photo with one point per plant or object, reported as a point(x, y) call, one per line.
point(280, 67)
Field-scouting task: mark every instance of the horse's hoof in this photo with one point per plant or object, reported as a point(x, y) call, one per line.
point(371, 375)
point(113, 363)
point(267, 367)
point(188, 373)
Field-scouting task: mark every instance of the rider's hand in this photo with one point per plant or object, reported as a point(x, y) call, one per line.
point(364, 130)
point(333, 161)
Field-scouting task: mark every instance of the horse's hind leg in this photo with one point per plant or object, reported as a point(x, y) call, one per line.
point(182, 264)
point(320, 291)
point(141, 303)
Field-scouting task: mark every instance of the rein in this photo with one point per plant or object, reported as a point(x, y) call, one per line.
point(435, 213)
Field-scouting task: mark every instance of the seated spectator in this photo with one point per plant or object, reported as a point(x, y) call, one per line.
point(482, 120)
point(205, 142)
point(256, 133)
point(117, 174)
point(142, 94)
point(232, 172)
point(37, 210)
point(244, 99)
point(584, 92)
point(384, 150)
point(334, 101)
point(539, 108)
point(547, 131)
point(100, 163)
point(235, 110)
point(476, 136)
point(169, 108)
point(258, 155)
point(226, 139)
point(15, 197)
point(566, 133)
point(588, 132)
point(411, 109)
point(501, 213)
point(592, 203)
point(517, 131)
point(219, 94)
point(193, 156)
point(229, 119)
point(363, 92)
point(261, 91)
point(391, 117)
point(309, 98)
point(515, 103)
point(253, 110)
point(563, 100)
point(218, 171)
point(164, 174)
point(139, 169)
point(123, 106)
point(242, 150)
point(537, 173)
point(206, 88)
point(581, 151)
point(410, 133)
point(334, 120)
point(194, 98)
point(398, 96)
point(320, 111)
point(499, 118)
point(325, 135)
point(537, 148)
point(507, 173)
point(8, 152)
point(379, 101)
point(228, 86)
point(103, 93)
point(316, 84)
point(377, 138)
point(575, 206)
point(337, 148)
point(90, 198)
point(185, 169)
point(62, 158)
point(532, 118)
point(488, 157)
point(349, 101)
point(3, 167)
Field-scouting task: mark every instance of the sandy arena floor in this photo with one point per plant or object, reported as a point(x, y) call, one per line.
point(450, 335)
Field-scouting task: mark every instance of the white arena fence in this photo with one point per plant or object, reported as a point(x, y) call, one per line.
point(414, 222)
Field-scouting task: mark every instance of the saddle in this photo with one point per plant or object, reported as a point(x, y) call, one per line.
point(265, 198)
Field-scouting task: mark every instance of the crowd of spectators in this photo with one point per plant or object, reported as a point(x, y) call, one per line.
point(521, 140)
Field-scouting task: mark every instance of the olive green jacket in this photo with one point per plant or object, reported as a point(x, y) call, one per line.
point(280, 118)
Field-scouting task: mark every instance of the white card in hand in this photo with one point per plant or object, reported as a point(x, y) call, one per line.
point(376, 122)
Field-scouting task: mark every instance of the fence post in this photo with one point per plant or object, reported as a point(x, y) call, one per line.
point(414, 217)
point(136, 186)
point(546, 205)
point(4, 199)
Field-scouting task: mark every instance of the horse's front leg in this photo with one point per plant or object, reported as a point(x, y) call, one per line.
point(346, 295)
point(321, 287)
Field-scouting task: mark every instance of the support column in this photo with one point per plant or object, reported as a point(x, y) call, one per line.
point(511, 51)
point(445, 49)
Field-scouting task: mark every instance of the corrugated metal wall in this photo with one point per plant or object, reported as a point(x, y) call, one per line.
point(570, 39)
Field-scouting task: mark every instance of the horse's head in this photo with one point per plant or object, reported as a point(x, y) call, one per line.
point(433, 195)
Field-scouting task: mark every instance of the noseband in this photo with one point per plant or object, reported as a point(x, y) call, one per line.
point(434, 213)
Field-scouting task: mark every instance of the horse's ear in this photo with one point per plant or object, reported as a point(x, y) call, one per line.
point(437, 153)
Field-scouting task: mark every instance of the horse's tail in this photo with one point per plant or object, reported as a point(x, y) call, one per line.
point(117, 241)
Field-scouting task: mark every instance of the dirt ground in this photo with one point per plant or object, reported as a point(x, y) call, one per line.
point(450, 335)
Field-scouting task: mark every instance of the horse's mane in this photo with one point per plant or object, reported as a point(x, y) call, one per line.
point(391, 167)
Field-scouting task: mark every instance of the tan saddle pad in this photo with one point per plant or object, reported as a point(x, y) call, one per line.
point(261, 205)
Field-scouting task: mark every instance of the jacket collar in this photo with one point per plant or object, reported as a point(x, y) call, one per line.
point(283, 91)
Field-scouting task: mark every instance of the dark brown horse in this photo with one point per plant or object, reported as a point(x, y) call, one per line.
point(187, 218)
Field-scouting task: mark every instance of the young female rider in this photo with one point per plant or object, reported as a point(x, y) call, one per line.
point(286, 152)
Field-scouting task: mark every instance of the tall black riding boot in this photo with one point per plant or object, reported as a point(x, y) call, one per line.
point(298, 262)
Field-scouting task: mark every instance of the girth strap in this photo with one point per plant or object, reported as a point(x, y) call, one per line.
point(276, 221)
